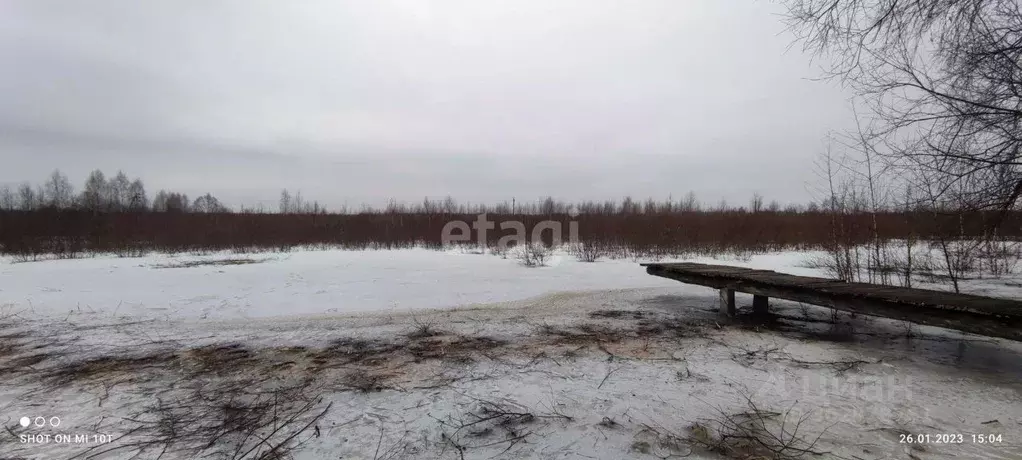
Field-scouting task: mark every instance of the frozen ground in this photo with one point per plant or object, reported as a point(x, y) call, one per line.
point(423, 354)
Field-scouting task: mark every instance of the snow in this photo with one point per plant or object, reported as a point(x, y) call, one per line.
point(623, 398)
point(302, 283)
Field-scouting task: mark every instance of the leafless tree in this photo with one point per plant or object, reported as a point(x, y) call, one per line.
point(286, 206)
point(691, 203)
point(629, 206)
point(177, 202)
point(160, 202)
point(873, 179)
point(59, 191)
point(910, 238)
point(756, 203)
point(27, 197)
point(94, 196)
point(831, 170)
point(943, 82)
point(957, 251)
point(119, 192)
point(165, 201)
point(430, 207)
point(449, 205)
point(548, 206)
point(7, 200)
point(208, 204)
point(137, 200)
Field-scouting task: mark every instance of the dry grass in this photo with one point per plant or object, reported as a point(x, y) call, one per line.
point(345, 351)
point(583, 334)
point(222, 400)
point(670, 327)
point(212, 360)
point(107, 367)
point(619, 314)
point(216, 263)
point(221, 358)
point(365, 381)
point(17, 358)
point(456, 349)
point(25, 361)
point(11, 343)
point(369, 363)
point(256, 418)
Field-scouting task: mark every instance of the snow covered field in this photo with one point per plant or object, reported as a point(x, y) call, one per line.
point(426, 354)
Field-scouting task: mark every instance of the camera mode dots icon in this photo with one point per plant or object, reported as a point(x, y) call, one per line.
point(39, 422)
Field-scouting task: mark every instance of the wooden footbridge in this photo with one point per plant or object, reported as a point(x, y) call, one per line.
point(969, 313)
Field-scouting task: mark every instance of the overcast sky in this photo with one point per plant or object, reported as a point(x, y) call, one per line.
point(361, 101)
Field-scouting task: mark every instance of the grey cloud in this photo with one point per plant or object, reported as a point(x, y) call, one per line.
point(363, 101)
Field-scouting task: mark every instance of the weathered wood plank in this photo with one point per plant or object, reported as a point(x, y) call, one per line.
point(970, 313)
point(727, 302)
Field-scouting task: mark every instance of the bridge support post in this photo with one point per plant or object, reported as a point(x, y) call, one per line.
point(727, 301)
point(760, 304)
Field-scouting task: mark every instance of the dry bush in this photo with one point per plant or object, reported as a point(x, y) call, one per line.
point(138, 249)
point(472, 249)
point(755, 434)
point(30, 235)
point(499, 250)
point(532, 254)
point(736, 254)
point(422, 330)
point(588, 251)
point(999, 257)
point(24, 257)
point(492, 424)
point(956, 259)
point(843, 264)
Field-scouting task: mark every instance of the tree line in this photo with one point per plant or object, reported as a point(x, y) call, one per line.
point(119, 193)
point(102, 194)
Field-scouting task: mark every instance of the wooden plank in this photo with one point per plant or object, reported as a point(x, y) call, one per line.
point(908, 295)
point(970, 313)
point(727, 302)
